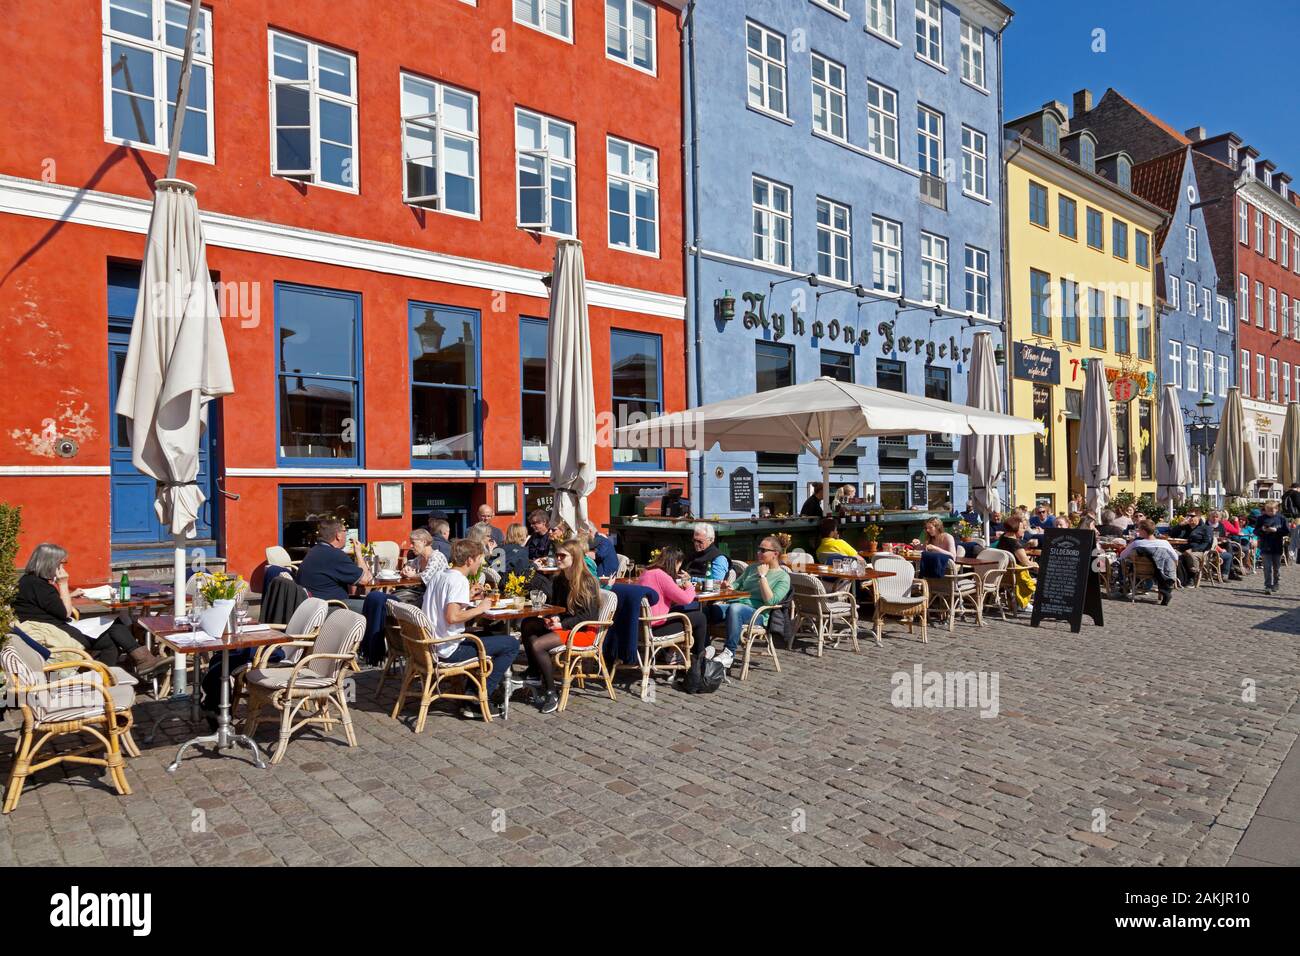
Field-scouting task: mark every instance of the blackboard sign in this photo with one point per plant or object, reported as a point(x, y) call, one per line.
point(742, 490)
point(1033, 363)
point(920, 490)
point(1067, 585)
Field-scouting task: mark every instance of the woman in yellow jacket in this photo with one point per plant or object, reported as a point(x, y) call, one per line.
point(1012, 528)
point(832, 543)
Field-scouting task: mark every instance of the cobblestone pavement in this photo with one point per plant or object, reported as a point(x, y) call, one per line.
point(1141, 724)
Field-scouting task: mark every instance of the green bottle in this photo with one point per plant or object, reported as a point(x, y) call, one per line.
point(125, 587)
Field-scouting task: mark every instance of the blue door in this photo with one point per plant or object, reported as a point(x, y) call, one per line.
point(136, 533)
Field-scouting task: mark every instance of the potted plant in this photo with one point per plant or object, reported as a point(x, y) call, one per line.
point(10, 521)
point(870, 535)
point(220, 591)
point(965, 530)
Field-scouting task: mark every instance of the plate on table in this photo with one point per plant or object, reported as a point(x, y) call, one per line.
point(388, 576)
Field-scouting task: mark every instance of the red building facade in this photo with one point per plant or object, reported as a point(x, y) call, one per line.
point(382, 197)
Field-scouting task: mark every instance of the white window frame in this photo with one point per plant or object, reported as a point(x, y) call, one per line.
point(836, 7)
point(932, 139)
point(765, 63)
point(543, 8)
point(1191, 297)
point(1243, 295)
point(1272, 239)
point(1207, 371)
point(1272, 380)
point(1286, 315)
point(1259, 304)
point(1286, 248)
point(886, 255)
point(316, 94)
point(835, 236)
point(881, 19)
point(934, 269)
point(1272, 309)
point(977, 281)
point(634, 184)
point(1224, 321)
point(770, 215)
point(974, 163)
point(1243, 224)
point(160, 52)
point(1259, 376)
point(1174, 295)
point(1193, 359)
point(1245, 373)
point(1176, 363)
point(435, 123)
point(1223, 376)
point(1259, 232)
point(972, 54)
point(882, 122)
point(629, 34)
point(825, 113)
point(929, 32)
point(549, 162)
point(1191, 244)
point(1286, 383)
point(1207, 304)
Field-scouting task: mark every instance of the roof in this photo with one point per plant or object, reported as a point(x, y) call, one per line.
point(1159, 181)
point(1155, 120)
point(1129, 196)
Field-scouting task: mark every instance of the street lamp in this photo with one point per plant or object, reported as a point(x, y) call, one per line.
point(1199, 423)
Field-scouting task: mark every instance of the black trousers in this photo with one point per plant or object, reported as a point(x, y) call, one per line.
point(111, 646)
point(699, 629)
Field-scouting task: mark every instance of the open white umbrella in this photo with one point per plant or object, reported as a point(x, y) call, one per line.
point(570, 396)
point(1288, 466)
point(824, 417)
point(983, 458)
point(1173, 466)
point(1098, 461)
point(1232, 464)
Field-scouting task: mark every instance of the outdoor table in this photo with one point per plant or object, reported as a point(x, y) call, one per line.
point(513, 616)
point(385, 584)
point(715, 597)
point(182, 640)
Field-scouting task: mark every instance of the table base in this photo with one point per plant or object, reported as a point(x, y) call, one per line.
point(225, 737)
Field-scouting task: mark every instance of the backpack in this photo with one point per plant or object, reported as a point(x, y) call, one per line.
point(705, 676)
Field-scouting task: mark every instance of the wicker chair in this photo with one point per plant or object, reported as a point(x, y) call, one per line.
point(650, 646)
point(625, 565)
point(314, 686)
point(995, 582)
point(389, 554)
point(895, 597)
point(572, 661)
point(302, 629)
point(957, 593)
point(86, 701)
point(423, 662)
point(821, 615)
point(1139, 569)
point(1212, 566)
point(754, 632)
point(279, 557)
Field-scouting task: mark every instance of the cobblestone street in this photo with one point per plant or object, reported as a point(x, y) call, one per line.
point(1141, 724)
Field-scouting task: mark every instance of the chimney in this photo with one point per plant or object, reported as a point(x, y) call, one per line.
point(1196, 134)
point(1082, 102)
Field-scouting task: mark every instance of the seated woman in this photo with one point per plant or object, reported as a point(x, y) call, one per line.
point(938, 551)
point(43, 596)
point(1009, 540)
point(832, 543)
point(516, 551)
point(578, 591)
point(666, 578)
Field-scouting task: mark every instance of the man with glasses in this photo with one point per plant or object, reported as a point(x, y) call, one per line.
point(705, 561)
point(766, 583)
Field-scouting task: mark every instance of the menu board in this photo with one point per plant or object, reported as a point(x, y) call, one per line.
point(742, 490)
point(1067, 586)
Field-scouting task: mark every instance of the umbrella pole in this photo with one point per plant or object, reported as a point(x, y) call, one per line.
point(178, 605)
point(826, 483)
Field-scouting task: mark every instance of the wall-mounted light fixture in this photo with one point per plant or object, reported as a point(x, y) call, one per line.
point(725, 307)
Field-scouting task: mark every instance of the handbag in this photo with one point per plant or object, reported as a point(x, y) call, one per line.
point(705, 675)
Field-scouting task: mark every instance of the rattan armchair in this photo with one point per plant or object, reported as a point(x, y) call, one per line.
point(895, 596)
point(957, 593)
point(1139, 569)
point(424, 664)
point(651, 647)
point(573, 661)
point(761, 633)
point(822, 615)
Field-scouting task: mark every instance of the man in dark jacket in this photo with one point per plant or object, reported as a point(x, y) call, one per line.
point(539, 542)
point(812, 508)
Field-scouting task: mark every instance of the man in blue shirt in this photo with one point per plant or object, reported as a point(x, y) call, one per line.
point(441, 531)
point(606, 554)
point(329, 574)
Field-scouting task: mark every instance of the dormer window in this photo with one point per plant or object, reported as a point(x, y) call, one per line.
point(1249, 166)
point(1087, 153)
point(1124, 173)
point(1051, 132)
point(1232, 156)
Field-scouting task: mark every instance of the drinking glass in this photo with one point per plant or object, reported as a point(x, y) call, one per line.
point(537, 599)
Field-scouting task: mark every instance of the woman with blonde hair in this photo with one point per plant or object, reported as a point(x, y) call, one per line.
point(1012, 529)
point(578, 591)
point(515, 550)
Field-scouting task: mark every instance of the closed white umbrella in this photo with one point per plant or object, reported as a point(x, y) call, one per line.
point(1098, 461)
point(824, 417)
point(983, 458)
point(1232, 464)
point(1288, 466)
point(1173, 466)
point(570, 396)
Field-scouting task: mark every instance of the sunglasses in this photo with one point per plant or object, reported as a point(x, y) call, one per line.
point(767, 551)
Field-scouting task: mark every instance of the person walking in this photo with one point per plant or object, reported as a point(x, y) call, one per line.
point(1291, 512)
point(1271, 529)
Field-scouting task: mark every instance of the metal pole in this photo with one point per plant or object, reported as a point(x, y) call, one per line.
point(183, 88)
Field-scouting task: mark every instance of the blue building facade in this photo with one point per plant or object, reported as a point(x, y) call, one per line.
point(844, 218)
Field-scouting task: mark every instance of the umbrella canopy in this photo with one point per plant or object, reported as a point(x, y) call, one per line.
point(1232, 464)
point(1097, 452)
point(176, 362)
point(983, 458)
point(824, 416)
point(570, 396)
point(1174, 466)
point(1288, 466)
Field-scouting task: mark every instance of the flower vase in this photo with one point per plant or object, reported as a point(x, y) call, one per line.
point(216, 619)
point(870, 549)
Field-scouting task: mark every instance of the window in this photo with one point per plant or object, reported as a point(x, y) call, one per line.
point(1124, 173)
point(1096, 238)
point(1038, 204)
point(929, 141)
point(1088, 153)
point(934, 269)
point(972, 53)
point(1146, 451)
point(1119, 243)
point(1142, 249)
point(533, 349)
point(835, 5)
point(891, 375)
point(1042, 408)
point(439, 146)
point(1272, 380)
point(880, 18)
point(637, 390)
point(1243, 224)
point(1069, 311)
point(1176, 364)
point(771, 222)
point(303, 506)
point(1051, 132)
point(1193, 357)
point(1259, 304)
point(1096, 318)
point(1122, 346)
point(1067, 212)
point(1286, 253)
point(1259, 376)
point(1123, 441)
point(550, 16)
point(828, 97)
point(1259, 231)
point(1144, 333)
point(974, 163)
point(1245, 374)
point(547, 175)
point(1272, 310)
point(929, 31)
point(144, 43)
point(1272, 239)
point(1223, 314)
point(1296, 392)
point(1191, 243)
point(834, 240)
point(837, 365)
point(1173, 293)
point(630, 33)
point(1286, 383)
point(886, 256)
point(882, 121)
point(443, 343)
point(1286, 314)
point(633, 173)
point(318, 332)
point(1191, 297)
point(773, 366)
point(766, 68)
point(1207, 308)
point(1223, 376)
point(977, 281)
point(313, 112)
point(1040, 302)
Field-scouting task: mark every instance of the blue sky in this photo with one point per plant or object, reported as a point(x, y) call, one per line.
point(1183, 60)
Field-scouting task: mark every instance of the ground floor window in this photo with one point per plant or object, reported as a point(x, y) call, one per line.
point(1045, 500)
point(303, 506)
point(894, 495)
point(538, 496)
point(776, 499)
point(940, 497)
point(319, 371)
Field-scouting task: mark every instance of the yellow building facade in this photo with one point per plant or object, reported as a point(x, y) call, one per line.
point(1080, 271)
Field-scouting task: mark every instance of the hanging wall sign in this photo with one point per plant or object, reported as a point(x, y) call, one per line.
point(920, 490)
point(1033, 363)
point(1123, 389)
point(742, 490)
